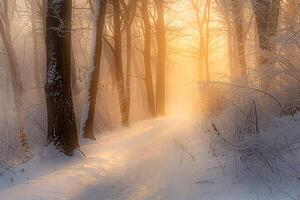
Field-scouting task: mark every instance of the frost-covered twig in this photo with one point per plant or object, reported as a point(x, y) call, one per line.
point(248, 88)
point(183, 149)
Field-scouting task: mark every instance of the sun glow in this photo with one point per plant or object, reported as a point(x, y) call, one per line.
point(183, 55)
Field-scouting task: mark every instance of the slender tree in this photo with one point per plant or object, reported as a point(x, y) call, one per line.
point(37, 71)
point(196, 5)
point(237, 10)
point(147, 57)
point(62, 131)
point(14, 70)
point(226, 10)
point(130, 9)
point(89, 116)
point(119, 63)
point(207, 42)
point(161, 59)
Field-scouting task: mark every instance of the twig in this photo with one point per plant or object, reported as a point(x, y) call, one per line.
point(249, 88)
point(256, 118)
point(81, 152)
point(183, 149)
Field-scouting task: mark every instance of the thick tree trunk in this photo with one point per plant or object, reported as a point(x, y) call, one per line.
point(161, 60)
point(147, 57)
point(119, 64)
point(62, 131)
point(89, 116)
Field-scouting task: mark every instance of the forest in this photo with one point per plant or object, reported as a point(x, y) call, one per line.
point(149, 99)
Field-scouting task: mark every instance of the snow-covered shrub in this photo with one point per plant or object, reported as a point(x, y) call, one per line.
point(252, 139)
point(212, 98)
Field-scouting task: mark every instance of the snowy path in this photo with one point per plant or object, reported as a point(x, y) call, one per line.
point(144, 162)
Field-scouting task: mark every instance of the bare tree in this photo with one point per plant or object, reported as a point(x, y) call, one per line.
point(196, 6)
point(119, 63)
point(237, 10)
point(161, 59)
point(225, 7)
point(208, 6)
point(147, 56)
point(31, 4)
point(15, 75)
point(266, 15)
point(130, 9)
point(89, 116)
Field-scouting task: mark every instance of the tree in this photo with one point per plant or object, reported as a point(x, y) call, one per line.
point(237, 9)
point(208, 5)
point(161, 59)
point(37, 74)
point(130, 9)
point(147, 57)
point(62, 131)
point(196, 6)
point(226, 11)
point(266, 15)
point(18, 89)
point(88, 117)
point(119, 63)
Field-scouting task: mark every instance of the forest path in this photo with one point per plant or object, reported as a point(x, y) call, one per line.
point(143, 162)
point(137, 160)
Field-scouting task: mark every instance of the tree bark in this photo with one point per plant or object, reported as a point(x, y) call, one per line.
point(161, 60)
point(88, 121)
point(147, 57)
point(119, 64)
point(62, 131)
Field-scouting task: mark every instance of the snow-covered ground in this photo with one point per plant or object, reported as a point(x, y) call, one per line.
point(160, 159)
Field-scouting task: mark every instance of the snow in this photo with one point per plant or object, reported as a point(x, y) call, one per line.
point(166, 158)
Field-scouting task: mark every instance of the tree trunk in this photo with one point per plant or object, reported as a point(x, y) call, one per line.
point(147, 57)
point(128, 70)
point(37, 71)
point(201, 43)
point(73, 72)
point(207, 41)
point(89, 116)
point(119, 64)
point(18, 89)
point(161, 60)
point(130, 13)
point(239, 29)
point(62, 131)
point(231, 48)
point(266, 15)
point(201, 49)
